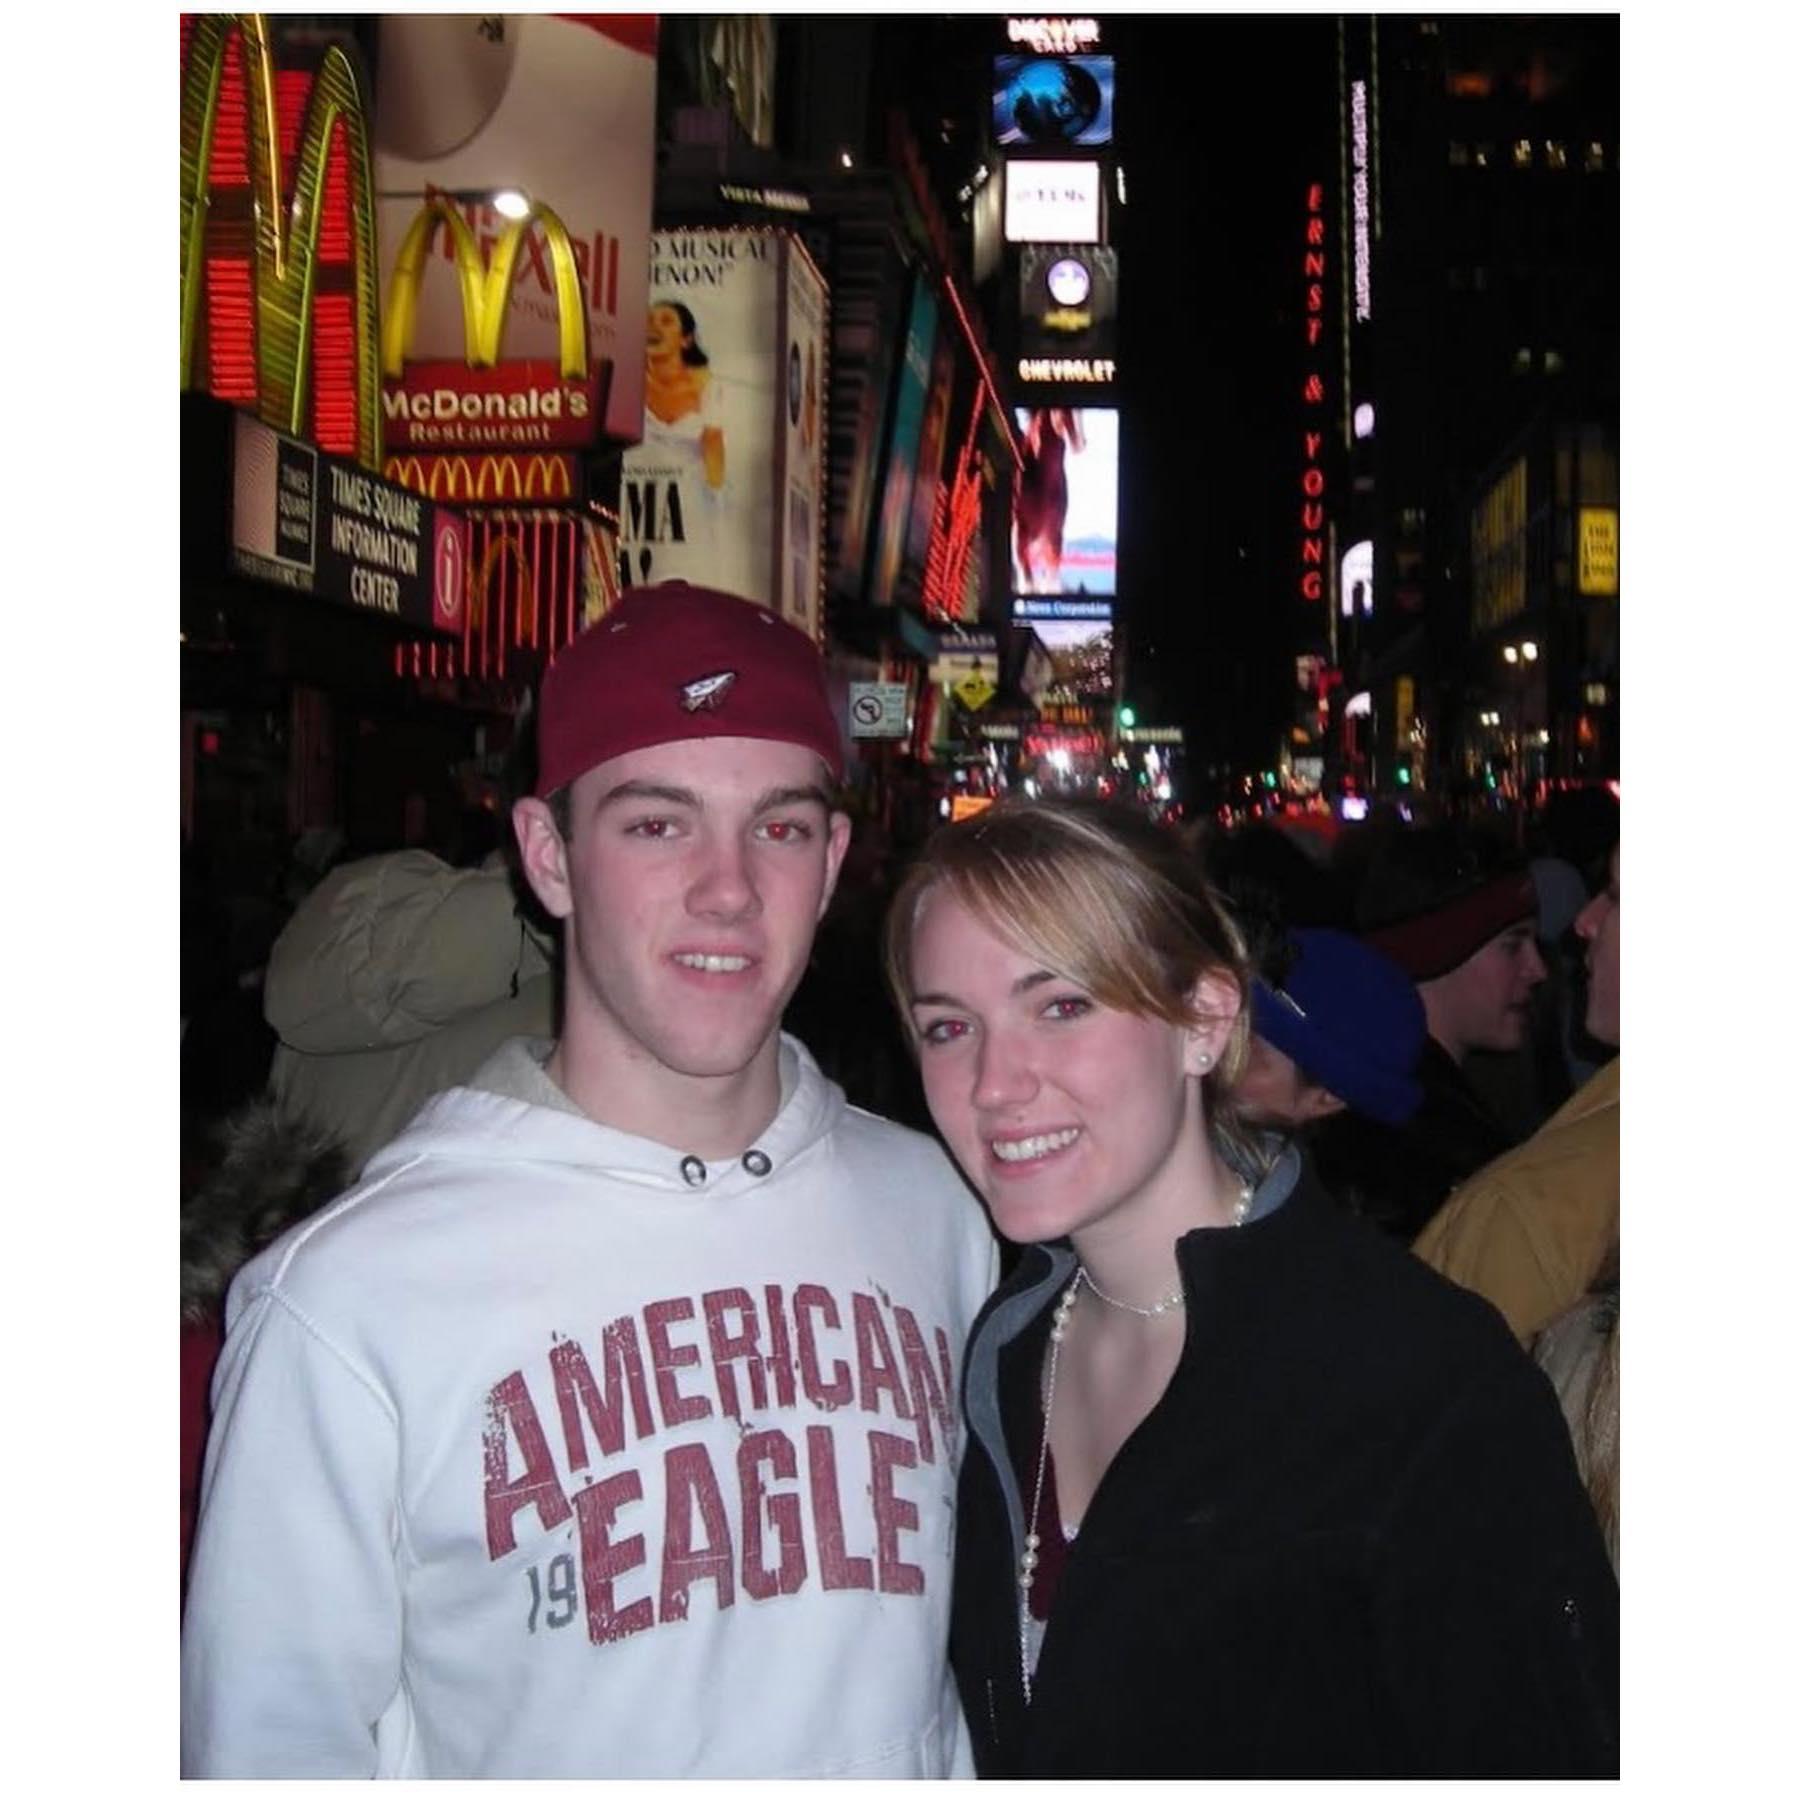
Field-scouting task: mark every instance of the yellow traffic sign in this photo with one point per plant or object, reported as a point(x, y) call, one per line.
point(975, 690)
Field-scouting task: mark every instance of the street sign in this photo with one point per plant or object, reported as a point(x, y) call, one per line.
point(975, 690)
point(878, 709)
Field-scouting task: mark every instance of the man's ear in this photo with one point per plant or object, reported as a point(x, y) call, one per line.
point(837, 844)
point(1318, 1103)
point(1214, 1002)
point(544, 856)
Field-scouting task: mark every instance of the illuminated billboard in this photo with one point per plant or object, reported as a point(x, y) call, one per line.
point(914, 381)
point(1080, 652)
point(725, 489)
point(562, 109)
point(1053, 100)
point(1052, 202)
point(1068, 306)
point(1066, 501)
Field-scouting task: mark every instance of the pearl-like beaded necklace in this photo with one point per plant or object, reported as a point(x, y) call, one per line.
point(1059, 1325)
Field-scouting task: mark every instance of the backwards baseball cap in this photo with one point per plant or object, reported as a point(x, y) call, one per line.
point(1434, 942)
point(1350, 1019)
point(673, 662)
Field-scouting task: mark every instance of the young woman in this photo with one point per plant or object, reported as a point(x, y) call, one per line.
point(1248, 1491)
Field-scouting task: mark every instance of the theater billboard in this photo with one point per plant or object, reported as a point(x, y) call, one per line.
point(725, 489)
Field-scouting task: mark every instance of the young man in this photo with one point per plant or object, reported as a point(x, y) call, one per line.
point(1532, 1232)
point(1462, 924)
point(607, 1427)
point(1338, 1029)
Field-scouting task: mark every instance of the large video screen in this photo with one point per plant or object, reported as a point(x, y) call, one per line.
point(1052, 100)
point(1081, 654)
point(1052, 202)
point(1066, 501)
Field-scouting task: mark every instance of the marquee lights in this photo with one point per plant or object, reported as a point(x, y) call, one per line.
point(1054, 37)
point(1098, 369)
point(1359, 196)
point(1312, 437)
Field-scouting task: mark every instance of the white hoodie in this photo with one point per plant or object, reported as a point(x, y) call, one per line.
point(534, 1457)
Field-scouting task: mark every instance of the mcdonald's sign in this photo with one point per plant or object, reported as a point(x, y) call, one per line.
point(481, 402)
point(487, 479)
point(279, 279)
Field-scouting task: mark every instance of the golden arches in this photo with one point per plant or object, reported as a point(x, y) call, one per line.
point(486, 289)
point(285, 239)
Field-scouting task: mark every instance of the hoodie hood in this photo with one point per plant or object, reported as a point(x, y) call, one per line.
point(490, 1121)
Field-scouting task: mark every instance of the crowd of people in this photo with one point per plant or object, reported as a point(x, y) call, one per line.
point(1173, 1333)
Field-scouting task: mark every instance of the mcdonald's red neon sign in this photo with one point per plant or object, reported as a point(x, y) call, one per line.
point(279, 277)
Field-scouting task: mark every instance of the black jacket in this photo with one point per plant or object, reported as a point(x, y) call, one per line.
point(1397, 1176)
point(1349, 1540)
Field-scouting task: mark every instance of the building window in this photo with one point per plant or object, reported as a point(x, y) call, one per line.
point(1484, 154)
point(1594, 159)
point(1459, 155)
point(1553, 362)
point(1556, 156)
point(1521, 362)
point(1522, 154)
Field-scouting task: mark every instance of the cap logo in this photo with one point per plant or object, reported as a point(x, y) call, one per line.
point(705, 694)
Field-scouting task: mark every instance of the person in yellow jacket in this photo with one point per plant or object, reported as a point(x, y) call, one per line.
point(1533, 1230)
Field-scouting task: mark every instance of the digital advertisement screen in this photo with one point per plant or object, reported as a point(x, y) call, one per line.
point(1052, 202)
point(1081, 655)
point(1066, 501)
point(1050, 100)
point(1068, 300)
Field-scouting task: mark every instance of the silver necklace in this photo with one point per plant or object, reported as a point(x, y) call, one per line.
point(1059, 1325)
point(1170, 1301)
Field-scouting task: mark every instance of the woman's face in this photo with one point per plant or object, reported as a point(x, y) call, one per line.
point(666, 335)
point(1061, 1111)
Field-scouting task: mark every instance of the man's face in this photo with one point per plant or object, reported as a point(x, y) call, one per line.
point(1273, 1090)
point(693, 879)
point(1484, 1003)
point(1597, 925)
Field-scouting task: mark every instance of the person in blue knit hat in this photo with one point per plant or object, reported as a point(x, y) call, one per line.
point(1340, 1030)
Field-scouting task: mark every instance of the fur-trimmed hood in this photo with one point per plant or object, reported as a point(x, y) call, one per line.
point(272, 1171)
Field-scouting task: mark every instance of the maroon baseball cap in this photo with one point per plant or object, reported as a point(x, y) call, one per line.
point(672, 662)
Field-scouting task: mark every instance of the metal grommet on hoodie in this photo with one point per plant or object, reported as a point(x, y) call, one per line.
point(757, 1163)
point(693, 1171)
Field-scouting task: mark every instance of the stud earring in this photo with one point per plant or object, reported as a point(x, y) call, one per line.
point(1205, 1060)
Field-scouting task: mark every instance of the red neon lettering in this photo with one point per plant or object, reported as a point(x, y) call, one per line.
point(1314, 390)
point(1314, 263)
point(1315, 298)
point(1312, 483)
point(1315, 231)
point(1313, 328)
point(1312, 550)
point(1312, 516)
point(1310, 588)
point(1313, 440)
point(1315, 197)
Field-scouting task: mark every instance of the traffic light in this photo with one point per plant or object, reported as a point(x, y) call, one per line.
point(1128, 717)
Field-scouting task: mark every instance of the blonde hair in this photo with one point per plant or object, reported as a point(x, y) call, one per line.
point(1105, 898)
